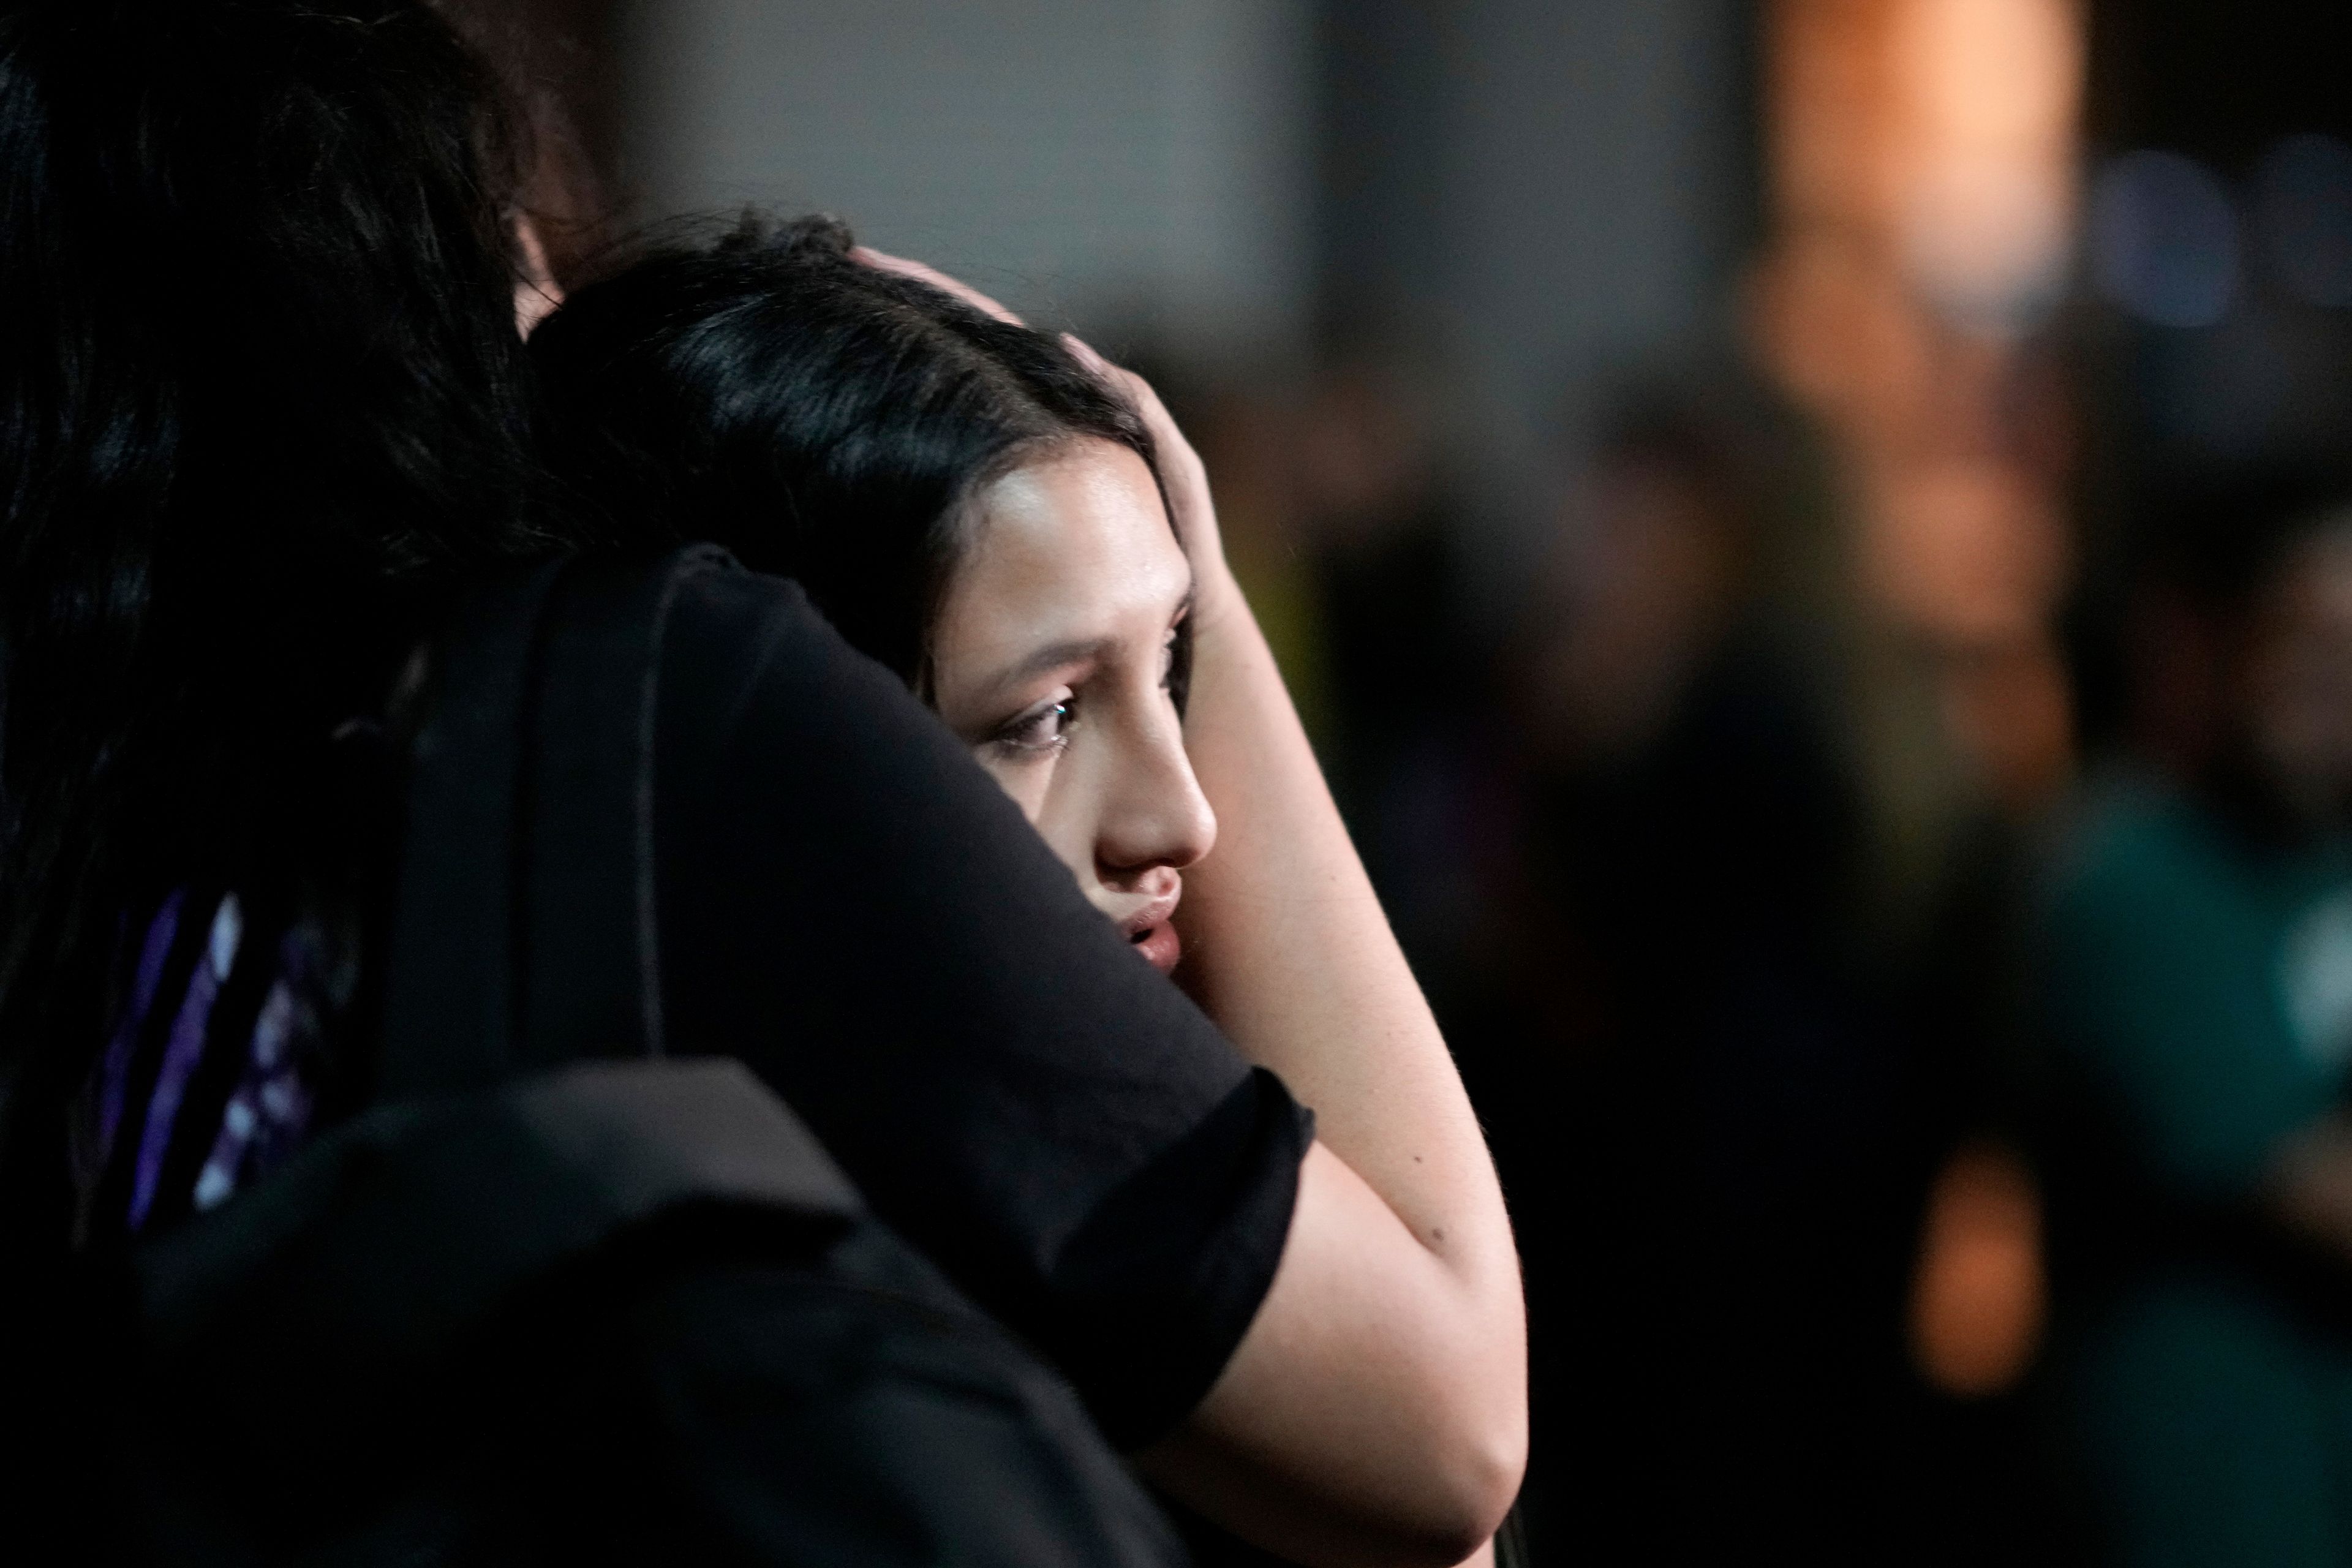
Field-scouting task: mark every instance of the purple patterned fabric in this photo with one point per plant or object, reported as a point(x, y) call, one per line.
point(114, 1067)
point(270, 1110)
point(163, 1091)
point(183, 1049)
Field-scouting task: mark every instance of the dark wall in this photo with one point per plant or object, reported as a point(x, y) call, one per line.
point(1548, 195)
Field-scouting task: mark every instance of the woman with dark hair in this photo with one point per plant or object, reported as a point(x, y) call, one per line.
point(954, 492)
point(262, 407)
point(1021, 535)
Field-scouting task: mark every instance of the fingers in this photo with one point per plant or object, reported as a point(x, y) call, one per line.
point(1181, 466)
point(1186, 477)
point(1123, 381)
point(1084, 352)
point(865, 255)
point(1136, 390)
point(1170, 440)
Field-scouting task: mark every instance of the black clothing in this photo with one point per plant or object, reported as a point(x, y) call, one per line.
point(557, 1296)
point(856, 911)
point(849, 905)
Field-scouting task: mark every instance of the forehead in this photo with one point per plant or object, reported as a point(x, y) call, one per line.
point(1074, 546)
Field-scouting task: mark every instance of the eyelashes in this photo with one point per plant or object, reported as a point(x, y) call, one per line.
point(1040, 731)
point(1044, 730)
point(1178, 683)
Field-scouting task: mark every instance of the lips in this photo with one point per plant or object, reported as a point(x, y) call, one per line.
point(1149, 933)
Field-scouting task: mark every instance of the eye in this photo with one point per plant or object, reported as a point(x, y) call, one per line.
point(1040, 729)
point(1177, 681)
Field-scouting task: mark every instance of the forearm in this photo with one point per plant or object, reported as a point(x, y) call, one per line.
point(1389, 1363)
point(1289, 949)
point(1376, 1411)
point(1347, 1430)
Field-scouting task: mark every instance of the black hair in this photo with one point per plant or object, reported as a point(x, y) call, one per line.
point(260, 389)
point(820, 418)
point(559, 92)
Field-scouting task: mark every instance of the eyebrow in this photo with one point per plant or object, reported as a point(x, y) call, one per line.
point(1054, 656)
point(1079, 650)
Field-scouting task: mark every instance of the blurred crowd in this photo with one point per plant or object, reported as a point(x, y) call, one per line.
point(1896, 1105)
point(1626, 831)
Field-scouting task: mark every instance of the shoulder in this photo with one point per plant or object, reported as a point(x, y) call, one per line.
point(712, 598)
point(738, 644)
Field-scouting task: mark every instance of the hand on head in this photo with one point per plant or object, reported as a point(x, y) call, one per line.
point(920, 273)
point(1181, 469)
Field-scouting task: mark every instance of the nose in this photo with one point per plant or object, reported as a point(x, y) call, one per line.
point(1154, 815)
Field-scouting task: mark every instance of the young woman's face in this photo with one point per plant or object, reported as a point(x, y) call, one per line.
point(1052, 658)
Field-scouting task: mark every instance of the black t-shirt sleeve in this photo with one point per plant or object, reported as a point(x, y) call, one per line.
point(850, 905)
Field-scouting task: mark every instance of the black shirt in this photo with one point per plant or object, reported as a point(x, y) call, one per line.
point(850, 905)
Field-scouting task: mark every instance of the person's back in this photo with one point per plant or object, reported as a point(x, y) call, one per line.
point(557, 1291)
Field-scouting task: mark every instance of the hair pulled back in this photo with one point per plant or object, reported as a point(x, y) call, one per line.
point(820, 418)
point(260, 384)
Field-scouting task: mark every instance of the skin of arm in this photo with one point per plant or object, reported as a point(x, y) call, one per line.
point(1375, 1413)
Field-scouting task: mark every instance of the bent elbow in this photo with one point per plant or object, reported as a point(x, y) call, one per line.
point(1482, 1463)
point(1469, 1426)
point(1460, 1466)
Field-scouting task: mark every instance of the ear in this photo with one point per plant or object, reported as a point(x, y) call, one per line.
point(537, 294)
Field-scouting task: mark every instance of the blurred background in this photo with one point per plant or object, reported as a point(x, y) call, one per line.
point(1810, 538)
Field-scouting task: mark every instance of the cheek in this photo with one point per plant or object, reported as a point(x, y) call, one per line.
point(1051, 795)
point(1060, 805)
point(1029, 784)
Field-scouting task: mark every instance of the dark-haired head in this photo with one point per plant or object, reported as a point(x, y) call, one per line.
point(822, 418)
point(967, 501)
point(258, 379)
